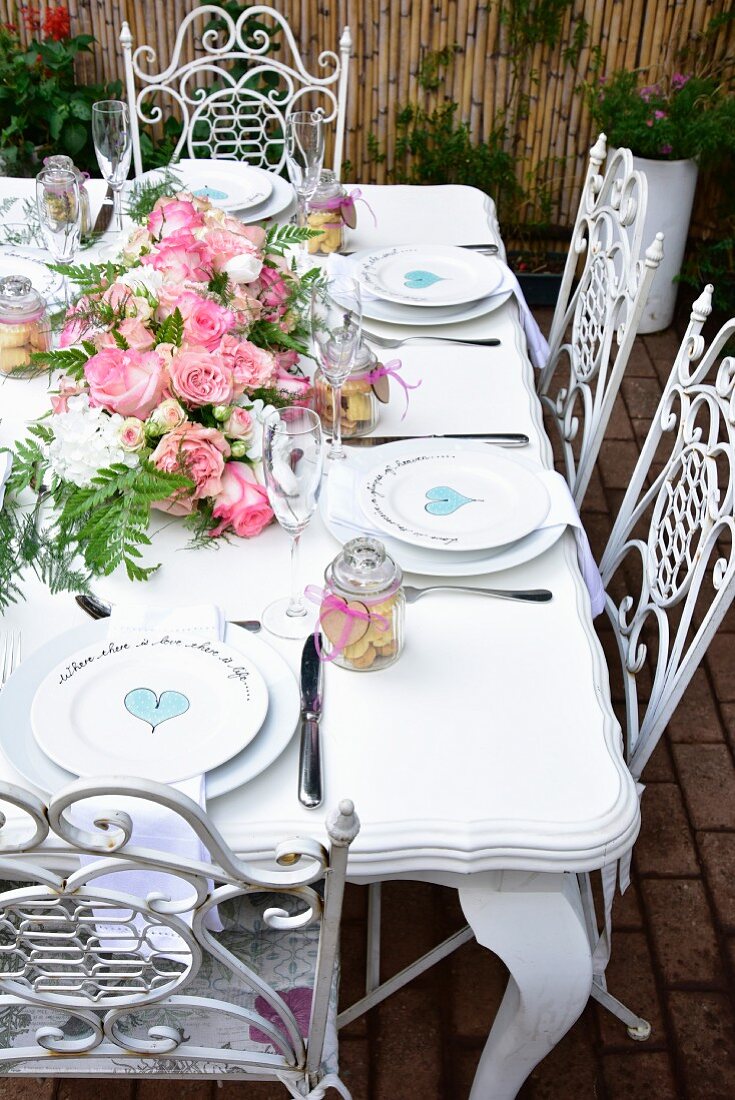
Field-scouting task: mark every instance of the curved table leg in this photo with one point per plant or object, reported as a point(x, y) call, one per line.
point(534, 923)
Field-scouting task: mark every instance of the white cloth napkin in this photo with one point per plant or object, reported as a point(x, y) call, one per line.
point(156, 827)
point(538, 348)
point(6, 464)
point(343, 511)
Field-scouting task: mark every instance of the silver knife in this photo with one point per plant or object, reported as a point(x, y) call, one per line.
point(310, 757)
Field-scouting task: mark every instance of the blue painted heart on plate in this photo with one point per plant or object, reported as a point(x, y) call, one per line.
point(444, 501)
point(419, 280)
point(155, 709)
point(210, 193)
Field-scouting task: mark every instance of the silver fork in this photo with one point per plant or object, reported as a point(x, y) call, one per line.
point(526, 595)
point(385, 342)
point(9, 654)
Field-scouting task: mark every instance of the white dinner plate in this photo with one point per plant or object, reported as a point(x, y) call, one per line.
point(22, 751)
point(433, 562)
point(164, 708)
point(468, 499)
point(228, 184)
point(427, 275)
point(395, 314)
point(49, 284)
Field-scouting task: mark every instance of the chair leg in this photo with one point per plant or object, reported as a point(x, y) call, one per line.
point(372, 972)
point(637, 1028)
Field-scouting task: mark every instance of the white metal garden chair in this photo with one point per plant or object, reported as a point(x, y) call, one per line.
point(237, 114)
point(96, 979)
point(596, 318)
point(669, 567)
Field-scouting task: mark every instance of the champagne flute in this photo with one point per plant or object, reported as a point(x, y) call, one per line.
point(336, 329)
point(113, 144)
point(292, 464)
point(60, 215)
point(304, 159)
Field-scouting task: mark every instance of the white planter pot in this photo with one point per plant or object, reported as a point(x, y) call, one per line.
point(671, 186)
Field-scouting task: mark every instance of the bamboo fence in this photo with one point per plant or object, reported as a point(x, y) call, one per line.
point(391, 38)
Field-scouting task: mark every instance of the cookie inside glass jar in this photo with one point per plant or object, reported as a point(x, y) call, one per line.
point(24, 326)
point(360, 407)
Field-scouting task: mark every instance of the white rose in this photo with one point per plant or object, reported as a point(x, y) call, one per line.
point(244, 268)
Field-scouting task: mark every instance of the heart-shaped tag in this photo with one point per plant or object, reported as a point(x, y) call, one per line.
point(155, 709)
point(342, 628)
point(444, 501)
point(381, 388)
point(419, 280)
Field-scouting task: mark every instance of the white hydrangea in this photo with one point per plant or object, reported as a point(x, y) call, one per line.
point(142, 279)
point(86, 440)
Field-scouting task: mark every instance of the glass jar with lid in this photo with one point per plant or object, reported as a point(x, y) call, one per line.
point(363, 607)
point(325, 214)
point(362, 396)
point(66, 164)
point(24, 325)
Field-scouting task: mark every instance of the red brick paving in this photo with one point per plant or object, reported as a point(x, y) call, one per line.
point(673, 946)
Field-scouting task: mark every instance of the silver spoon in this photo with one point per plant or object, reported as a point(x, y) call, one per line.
point(100, 609)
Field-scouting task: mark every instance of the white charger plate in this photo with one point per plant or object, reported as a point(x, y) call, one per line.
point(427, 275)
point(394, 314)
point(468, 499)
point(164, 709)
point(228, 184)
point(22, 751)
point(281, 195)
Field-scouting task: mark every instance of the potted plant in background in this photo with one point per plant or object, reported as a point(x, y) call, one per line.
point(42, 108)
point(673, 127)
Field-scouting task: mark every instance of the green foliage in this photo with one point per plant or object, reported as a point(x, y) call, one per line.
point(171, 331)
point(142, 197)
point(279, 238)
point(42, 108)
point(677, 118)
point(713, 261)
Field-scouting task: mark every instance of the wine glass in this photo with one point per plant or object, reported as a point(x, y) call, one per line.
point(336, 330)
point(304, 158)
point(60, 215)
point(292, 463)
point(113, 144)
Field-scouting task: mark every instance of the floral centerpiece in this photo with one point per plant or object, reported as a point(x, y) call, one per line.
point(167, 360)
point(679, 117)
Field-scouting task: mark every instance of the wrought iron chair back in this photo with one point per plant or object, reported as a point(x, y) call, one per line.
point(676, 523)
point(234, 95)
point(596, 319)
point(97, 977)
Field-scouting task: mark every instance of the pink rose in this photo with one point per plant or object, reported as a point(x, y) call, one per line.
point(167, 416)
point(274, 293)
point(239, 424)
point(253, 233)
point(132, 435)
point(170, 215)
point(200, 454)
point(184, 257)
point(201, 377)
point(225, 245)
point(127, 382)
point(242, 503)
point(247, 308)
point(76, 326)
point(131, 329)
point(286, 360)
point(205, 322)
point(294, 387)
point(251, 366)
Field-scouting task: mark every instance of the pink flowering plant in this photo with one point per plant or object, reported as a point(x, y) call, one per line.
point(166, 364)
point(678, 117)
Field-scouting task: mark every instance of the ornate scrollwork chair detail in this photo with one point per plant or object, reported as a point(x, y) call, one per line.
point(596, 318)
point(96, 979)
point(234, 95)
point(669, 566)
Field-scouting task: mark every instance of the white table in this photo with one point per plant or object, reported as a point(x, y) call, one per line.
point(488, 758)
